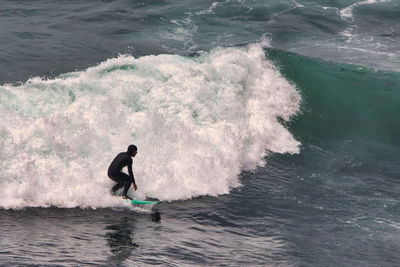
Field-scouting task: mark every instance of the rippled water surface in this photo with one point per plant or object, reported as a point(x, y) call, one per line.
point(269, 130)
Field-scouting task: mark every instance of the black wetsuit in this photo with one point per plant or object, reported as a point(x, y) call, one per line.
point(122, 160)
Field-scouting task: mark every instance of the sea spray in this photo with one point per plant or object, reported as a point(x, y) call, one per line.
point(197, 121)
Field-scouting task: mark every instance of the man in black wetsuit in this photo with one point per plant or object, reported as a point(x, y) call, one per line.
point(123, 159)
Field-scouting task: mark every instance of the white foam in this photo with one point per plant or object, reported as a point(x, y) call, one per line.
point(198, 122)
point(209, 10)
point(347, 13)
point(183, 31)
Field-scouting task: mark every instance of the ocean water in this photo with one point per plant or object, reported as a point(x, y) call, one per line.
point(269, 130)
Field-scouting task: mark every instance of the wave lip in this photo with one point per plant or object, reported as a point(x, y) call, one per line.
point(198, 122)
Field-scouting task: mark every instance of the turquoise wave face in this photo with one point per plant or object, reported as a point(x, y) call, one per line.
point(345, 178)
point(344, 106)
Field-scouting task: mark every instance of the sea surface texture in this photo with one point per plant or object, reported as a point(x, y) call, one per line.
point(269, 130)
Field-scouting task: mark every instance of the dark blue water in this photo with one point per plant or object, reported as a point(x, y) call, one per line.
point(247, 177)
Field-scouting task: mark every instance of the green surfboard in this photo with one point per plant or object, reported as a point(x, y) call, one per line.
point(141, 202)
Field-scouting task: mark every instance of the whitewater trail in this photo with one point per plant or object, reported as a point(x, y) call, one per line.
point(198, 122)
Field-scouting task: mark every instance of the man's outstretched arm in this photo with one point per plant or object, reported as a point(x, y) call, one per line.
point(131, 175)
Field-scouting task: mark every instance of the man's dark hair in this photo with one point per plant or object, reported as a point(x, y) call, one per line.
point(132, 148)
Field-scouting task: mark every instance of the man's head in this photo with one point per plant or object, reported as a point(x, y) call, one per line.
point(132, 150)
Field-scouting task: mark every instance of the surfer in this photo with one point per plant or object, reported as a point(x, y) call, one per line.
point(123, 159)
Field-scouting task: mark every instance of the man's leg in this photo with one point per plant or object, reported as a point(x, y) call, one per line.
point(123, 180)
point(126, 188)
point(118, 186)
